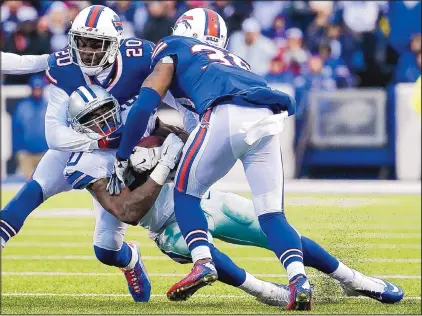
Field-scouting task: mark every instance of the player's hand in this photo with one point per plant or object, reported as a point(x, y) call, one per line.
point(144, 159)
point(171, 150)
point(117, 180)
point(111, 141)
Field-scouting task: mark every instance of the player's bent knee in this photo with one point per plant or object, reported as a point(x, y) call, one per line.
point(109, 240)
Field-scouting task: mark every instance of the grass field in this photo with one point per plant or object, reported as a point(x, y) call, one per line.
point(50, 268)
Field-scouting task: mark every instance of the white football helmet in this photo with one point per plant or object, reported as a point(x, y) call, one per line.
point(94, 38)
point(203, 24)
point(94, 111)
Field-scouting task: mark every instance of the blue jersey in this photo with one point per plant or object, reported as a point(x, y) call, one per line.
point(208, 76)
point(129, 70)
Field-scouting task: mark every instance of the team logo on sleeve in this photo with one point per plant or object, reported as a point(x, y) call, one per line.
point(118, 25)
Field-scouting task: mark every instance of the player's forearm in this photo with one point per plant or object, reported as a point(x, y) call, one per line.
point(128, 207)
point(137, 203)
point(162, 129)
point(18, 65)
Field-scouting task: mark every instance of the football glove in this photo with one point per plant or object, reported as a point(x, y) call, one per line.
point(170, 151)
point(117, 181)
point(144, 159)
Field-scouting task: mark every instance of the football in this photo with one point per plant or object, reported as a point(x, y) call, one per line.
point(151, 141)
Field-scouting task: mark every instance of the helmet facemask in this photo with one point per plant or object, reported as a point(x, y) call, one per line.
point(103, 119)
point(92, 53)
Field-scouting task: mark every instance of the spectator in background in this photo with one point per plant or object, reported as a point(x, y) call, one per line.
point(279, 71)
point(126, 11)
point(278, 31)
point(409, 66)
point(11, 15)
point(334, 66)
point(313, 77)
point(158, 25)
point(316, 30)
point(256, 49)
point(295, 54)
point(233, 12)
point(25, 41)
point(28, 127)
point(58, 25)
point(266, 11)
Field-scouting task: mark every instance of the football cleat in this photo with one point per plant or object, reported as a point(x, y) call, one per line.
point(201, 275)
point(300, 294)
point(137, 278)
point(274, 294)
point(377, 289)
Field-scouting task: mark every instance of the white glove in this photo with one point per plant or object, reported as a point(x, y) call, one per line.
point(144, 159)
point(117, 182)
point(170, 152)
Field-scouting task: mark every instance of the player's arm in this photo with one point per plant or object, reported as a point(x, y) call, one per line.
point(58, 134)
point(152, 91)
point(13, 64)
point(162, 129)
point(130, 206)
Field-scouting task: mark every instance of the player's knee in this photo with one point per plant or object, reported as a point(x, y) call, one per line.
point(105, 256)
point(109, 240)
point(271, 202)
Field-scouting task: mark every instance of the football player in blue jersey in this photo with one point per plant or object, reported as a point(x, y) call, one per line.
point(97, 53)
point(149, 203)
point(241, 118)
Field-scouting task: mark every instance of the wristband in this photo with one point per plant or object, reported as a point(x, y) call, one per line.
point(160, 174)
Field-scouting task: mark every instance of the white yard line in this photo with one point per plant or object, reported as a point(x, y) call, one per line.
point(410, 298)
point(165, 258)
point(260, 275)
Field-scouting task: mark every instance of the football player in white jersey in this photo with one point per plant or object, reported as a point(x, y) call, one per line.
point(97, 53)
point(148, 202)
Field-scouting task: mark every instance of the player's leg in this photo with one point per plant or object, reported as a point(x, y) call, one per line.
point(231, 218)
point(111, 249)
point(171, 243)
point(207, 157)
point(46, 181)
point(263, 167)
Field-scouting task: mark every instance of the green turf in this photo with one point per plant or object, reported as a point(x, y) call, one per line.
point(360, 230)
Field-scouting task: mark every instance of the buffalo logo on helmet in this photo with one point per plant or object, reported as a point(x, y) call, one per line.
point(184, 19)
point(118, 25)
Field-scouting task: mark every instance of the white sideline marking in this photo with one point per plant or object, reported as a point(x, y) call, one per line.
point(410, 298)
point(109, 274)
point(165, 258)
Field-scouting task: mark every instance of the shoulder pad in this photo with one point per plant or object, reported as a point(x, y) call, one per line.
point(168, 46)
point(84, 168)
point(63, 73)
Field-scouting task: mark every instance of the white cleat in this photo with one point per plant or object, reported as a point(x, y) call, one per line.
point(377, 289)
point(274, 294)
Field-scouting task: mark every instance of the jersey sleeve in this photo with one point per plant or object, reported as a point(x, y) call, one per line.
point(13, 64)
point(83, 168)
point(169, 46)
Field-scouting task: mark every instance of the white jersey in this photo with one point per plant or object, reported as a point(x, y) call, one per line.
point(84, 168)
point(13, 64)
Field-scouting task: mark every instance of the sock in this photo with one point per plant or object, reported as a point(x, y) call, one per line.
point(284, 241)
point(193, 224)
point(18, 209)
point(228, 272)
point(343, 274)
point(317, 257)
point(120, 258)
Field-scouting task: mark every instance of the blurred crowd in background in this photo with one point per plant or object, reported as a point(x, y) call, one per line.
point(310, 45)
